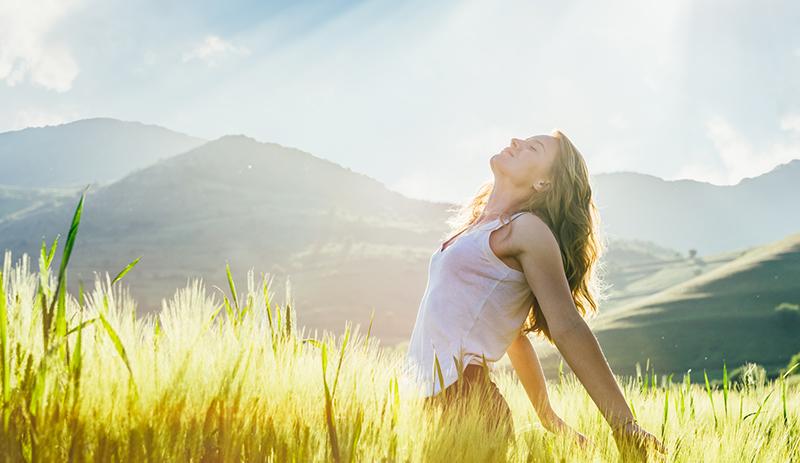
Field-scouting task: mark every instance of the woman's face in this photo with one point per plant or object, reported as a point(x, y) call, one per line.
point(525, 162)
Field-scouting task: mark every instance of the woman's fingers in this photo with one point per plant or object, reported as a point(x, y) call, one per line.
point(635, 442)
point(658, 445)
point(584, 441)
point(650, 439)
point(647, 440)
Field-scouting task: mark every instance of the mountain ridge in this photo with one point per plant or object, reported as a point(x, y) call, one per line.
point(349, 242)
point(257, 206)
point(76, 153)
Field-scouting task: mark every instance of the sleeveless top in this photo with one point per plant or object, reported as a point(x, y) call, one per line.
point(473, 304)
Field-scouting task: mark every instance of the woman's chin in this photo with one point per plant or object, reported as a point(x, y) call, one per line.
point(491, 162)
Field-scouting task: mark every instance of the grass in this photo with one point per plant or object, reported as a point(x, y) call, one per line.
point(85, 379)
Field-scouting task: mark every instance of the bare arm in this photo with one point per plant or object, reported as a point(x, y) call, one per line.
point(540, 257)
point(529, 370)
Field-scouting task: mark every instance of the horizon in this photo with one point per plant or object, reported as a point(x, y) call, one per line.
point(404, 92)
point(621, 171)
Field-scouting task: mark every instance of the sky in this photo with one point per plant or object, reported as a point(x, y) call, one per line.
point(419, 95)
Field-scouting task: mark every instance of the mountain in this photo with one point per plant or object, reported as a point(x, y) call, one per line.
point(727, 313)
point(99, 150)
point(346, 243)
point(17, 201)
point(687, 214)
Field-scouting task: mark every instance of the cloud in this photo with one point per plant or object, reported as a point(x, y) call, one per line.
point(35, 117)
point(791, 122)
point(457, 81)
point(738, 156)
point(27, 50)
point(212, 48)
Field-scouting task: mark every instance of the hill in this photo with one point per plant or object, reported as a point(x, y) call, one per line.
point(99, 150)
point(346, 243)
point(17, 201)
point(728, 313)
point(687, 214)
point(635, 269)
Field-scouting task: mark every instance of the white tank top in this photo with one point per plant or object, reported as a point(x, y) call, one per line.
point(473, 304)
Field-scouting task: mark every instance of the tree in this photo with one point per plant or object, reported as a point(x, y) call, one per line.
point(795, 360)
point(789, 314)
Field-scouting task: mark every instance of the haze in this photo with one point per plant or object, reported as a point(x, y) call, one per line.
point(420, 95)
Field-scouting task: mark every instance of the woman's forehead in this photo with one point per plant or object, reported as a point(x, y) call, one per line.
point(548, 141)
point(542, 138)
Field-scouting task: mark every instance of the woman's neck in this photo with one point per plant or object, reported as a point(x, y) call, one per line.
point(502, 201)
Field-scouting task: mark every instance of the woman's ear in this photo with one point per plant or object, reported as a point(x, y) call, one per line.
point(541, 185)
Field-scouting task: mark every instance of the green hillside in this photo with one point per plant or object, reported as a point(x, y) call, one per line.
point(727, 313)
point(15, 202)
point(635, 269)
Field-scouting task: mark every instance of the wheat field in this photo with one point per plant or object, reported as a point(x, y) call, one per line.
point(226, 375)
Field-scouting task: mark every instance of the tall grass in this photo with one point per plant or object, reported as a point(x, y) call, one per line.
point(87, 380)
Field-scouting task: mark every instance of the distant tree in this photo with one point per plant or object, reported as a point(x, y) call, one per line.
point(749, 375)
point(788, 313)
point(692, 253)
point(795, 360)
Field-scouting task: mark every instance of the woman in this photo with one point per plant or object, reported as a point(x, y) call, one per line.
point(521, 260)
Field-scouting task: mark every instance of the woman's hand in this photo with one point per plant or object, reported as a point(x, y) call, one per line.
point(526, 363)
point(583, 441)
point(634, 443)
point(556, 425)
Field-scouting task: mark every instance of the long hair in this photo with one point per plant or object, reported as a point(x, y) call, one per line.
point(569, 211)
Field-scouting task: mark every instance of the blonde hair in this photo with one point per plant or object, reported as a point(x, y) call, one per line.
point(569, 211)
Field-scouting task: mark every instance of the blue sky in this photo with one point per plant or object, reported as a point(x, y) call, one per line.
point(420, 95)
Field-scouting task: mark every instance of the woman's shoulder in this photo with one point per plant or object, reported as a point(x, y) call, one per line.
point(529, 222)
point(531, 233)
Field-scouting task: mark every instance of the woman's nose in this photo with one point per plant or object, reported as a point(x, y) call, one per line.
point(514, 142)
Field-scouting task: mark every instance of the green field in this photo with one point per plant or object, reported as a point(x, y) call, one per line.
point(726, 314)
point(237, 380)
point(240, 391)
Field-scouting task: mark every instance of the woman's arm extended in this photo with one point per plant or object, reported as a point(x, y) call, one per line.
point(526, 363)
point(538, 252)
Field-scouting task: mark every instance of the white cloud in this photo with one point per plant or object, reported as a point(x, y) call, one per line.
point(738, 156)
point(791, 122)
point(35, 117)
point(702, 173)
point(27, 53)
point(213, 48)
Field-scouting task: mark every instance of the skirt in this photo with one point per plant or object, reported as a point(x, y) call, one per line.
point(475, 384)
